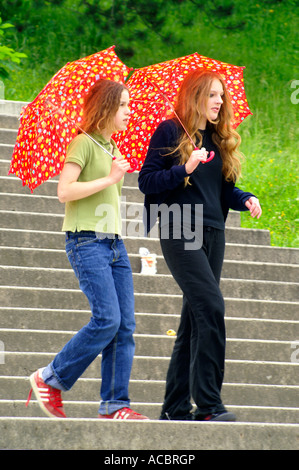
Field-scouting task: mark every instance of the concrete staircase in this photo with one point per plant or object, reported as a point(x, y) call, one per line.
point(41, 308)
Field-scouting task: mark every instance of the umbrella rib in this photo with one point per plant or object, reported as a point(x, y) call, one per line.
point(88, 135)
point(75, 124)
point(97, 143)
point(148, 101)
point(62, 105)
point(172, 107)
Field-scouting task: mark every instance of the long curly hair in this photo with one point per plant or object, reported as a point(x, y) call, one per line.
point(101, 104)
point(191, 106)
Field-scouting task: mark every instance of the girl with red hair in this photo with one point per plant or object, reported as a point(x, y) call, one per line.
point(192, 196)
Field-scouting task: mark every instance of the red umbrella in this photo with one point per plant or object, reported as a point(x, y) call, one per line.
point(153, 92)
point(52, 120)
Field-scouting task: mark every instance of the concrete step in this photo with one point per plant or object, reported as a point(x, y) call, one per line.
point(8, 136)
point(12, 187)
point(9, 121)
point(44, 199)
point(89, 409)
point(261, 376)
point(45, 196)
point(24, 363)
point(11, 107)
point(131, 203)
point(35, 278)
point(147, 323)
point(50, 204)
point(17, 388)
point(51, 240)
point(34, 257)
point(27, 297)
point(6, 151)
point(49, 187)
point(46, 341)
point(53, 222)
point(94, 434)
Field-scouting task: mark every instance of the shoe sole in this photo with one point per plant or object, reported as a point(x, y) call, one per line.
point(125, 419)
point(224, 417)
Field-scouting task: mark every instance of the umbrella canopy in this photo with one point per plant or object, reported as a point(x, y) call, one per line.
point(153, 92)
point(51, 121)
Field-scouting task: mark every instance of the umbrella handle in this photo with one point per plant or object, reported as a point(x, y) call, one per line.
point(134, 164)
point(212, 155)
point(133, 167)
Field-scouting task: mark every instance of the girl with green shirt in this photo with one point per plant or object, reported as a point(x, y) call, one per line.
point(90, 186)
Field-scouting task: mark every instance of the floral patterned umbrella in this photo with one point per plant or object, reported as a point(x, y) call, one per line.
point(153, 92)
point(51, 121)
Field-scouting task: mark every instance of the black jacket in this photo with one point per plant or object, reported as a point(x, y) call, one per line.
point(160, 174)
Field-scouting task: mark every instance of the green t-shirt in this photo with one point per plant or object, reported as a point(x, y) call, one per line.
point(99, 212)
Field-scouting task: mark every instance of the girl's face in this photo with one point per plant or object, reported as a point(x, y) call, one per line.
point(121, 117)
point(215, 99)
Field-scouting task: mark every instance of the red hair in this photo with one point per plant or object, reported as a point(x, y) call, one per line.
point(191, 106)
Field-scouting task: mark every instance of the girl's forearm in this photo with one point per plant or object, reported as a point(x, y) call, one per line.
point(79, 190)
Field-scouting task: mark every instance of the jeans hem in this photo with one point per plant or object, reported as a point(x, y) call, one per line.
point(109, 407)
point(50, 378)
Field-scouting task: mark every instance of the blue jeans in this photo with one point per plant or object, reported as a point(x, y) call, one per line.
point(104, 272)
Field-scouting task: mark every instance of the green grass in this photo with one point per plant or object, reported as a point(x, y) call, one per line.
point(266, 46)
point(273, 176)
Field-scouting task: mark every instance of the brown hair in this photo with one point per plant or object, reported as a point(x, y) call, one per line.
point(101, 104)
point(192, 100)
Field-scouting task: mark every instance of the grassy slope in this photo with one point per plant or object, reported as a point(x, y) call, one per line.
point(266, 46)
point(270, 136)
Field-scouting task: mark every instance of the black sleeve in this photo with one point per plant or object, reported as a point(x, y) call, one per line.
point(160, 171)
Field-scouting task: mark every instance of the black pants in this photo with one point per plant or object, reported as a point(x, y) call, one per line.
point(197, 364)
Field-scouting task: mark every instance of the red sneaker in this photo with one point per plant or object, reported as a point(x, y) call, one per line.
point(49, 398)
point(124, 413)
